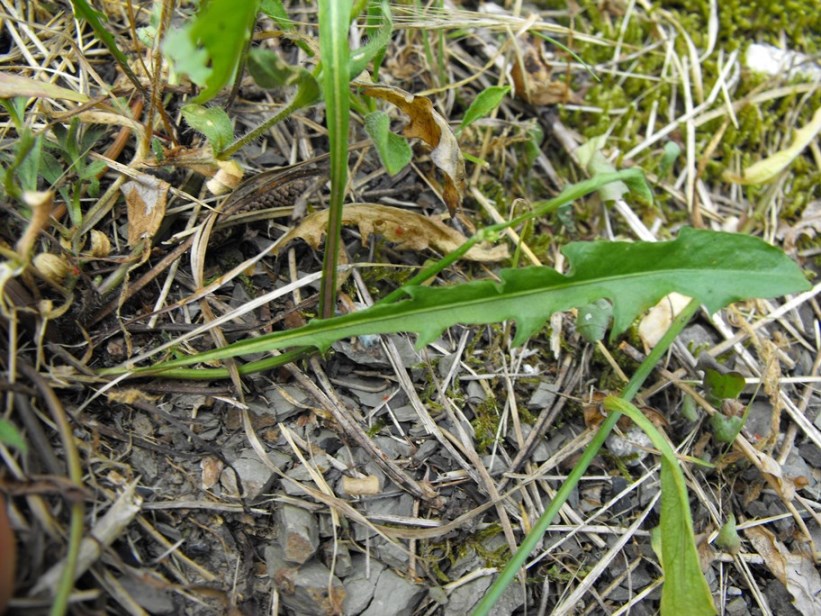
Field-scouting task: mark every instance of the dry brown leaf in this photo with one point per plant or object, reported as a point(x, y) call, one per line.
point(146, 199)
point(211, 471)
point(773, 472)
point(531, 76)
point(796, 571)
point(429, 126)
point(408, 230)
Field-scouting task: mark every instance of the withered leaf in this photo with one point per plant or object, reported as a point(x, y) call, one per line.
point(145, 198)
point(429, 126)
point(408, 230)
point(531, 76)
point(796, 571)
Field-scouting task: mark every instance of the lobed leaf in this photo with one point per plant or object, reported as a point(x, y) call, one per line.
point(714, 268)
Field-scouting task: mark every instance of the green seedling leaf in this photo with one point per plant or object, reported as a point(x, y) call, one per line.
point(688, 408)
point(723, 385)
point(269, 70)
point(10, 436)
point(591, 158)
point(212, 122)
point(725, 428)
point(393, 150)
point(685, 590)
point(378, 39)
point(672, 150)
point(209, 47)
point(484, 104)
point(594, 319)
point(728, 539)
point(713, 267)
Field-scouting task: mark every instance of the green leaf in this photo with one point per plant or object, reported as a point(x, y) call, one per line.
point(726, 428)
point(672, 150)
point(269, 70)
point(723, 385)
point(10, 436)
point(591, 158)
point(393, 150)
point(685, 590)
point(276, 11)
point(378, 39)
point(209, 47)
point(484, 104)
point(728, 539)
point(334, 52)
point(212, 122)
point(714, 268)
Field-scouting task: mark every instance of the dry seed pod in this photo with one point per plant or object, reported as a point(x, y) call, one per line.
point(100, 244)
point(51, 267)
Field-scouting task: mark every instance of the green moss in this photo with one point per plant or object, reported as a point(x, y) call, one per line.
point(485, 424)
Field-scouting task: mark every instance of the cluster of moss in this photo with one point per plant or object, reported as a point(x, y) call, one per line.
point(626, 102)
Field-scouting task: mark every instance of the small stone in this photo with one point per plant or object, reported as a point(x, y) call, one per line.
point(394, 596)
point(633, 446)
point(737, 607)
point(253, 473)
point(390, 553)
point(283, 402)
point(305, 589)
point(360, 584)
point(543, 397)
point(405, 414)
point(759, 420)
point(298, 533)
point(464, 598)
point(342, 564)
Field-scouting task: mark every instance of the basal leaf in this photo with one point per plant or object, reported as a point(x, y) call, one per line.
point(212, 122)
point(714, 268)
point(685, 590)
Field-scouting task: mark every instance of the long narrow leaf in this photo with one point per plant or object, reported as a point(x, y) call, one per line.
point(685, 590)
point(714, 268)
point(334, 18)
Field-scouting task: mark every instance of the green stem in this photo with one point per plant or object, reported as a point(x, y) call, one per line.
point(334, 21)
point(534, 536)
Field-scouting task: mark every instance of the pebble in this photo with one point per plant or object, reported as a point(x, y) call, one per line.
point(394, 596)
point(298, 533)
point(309, 590)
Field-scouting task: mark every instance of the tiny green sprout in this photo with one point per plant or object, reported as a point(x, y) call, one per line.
point(725, 428)
point(688, 409)
point(728, 539)
point(671, 152)
point(10, 436)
